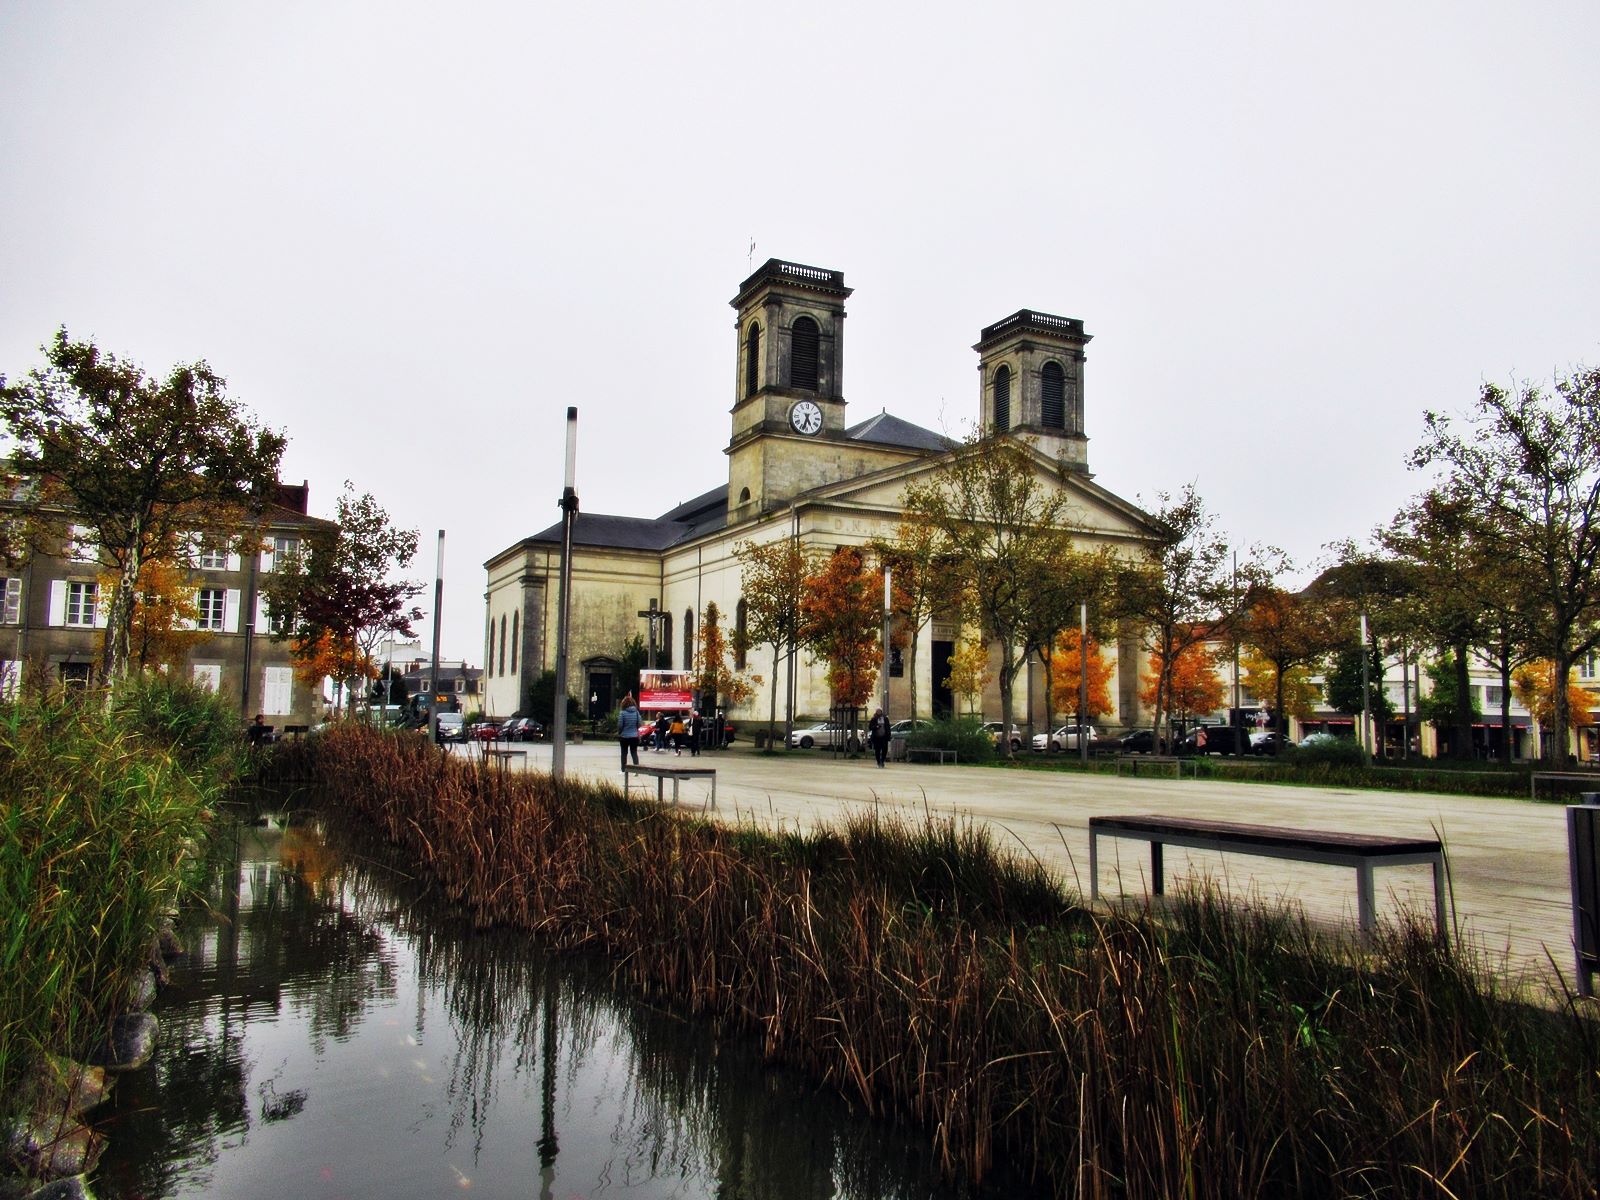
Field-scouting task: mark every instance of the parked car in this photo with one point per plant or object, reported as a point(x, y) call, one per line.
point(1139, 741)
point(1317, 739)
point(485, 731)
point(826, 733)
point(452, 727)
point(1267, 741)
point(1065, 738)
point(996, 732)
point(909, 726)
point(521, 729)
point(1219, 739)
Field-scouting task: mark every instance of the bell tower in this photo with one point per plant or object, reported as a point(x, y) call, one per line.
point(1030, 384)
point(789, 382)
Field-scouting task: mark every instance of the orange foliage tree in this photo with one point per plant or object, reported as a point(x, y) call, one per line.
point(165, 609)
point(714, 678)
point(324, 654)
point(1193, 686)
point(1535, 685)
point(841, 617)
point(1066, 671)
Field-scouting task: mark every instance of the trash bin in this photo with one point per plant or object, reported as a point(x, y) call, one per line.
point(1583, 842)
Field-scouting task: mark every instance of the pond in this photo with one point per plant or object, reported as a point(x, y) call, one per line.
point(336, 1030)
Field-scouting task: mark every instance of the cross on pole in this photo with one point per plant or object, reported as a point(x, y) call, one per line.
point(652, 614)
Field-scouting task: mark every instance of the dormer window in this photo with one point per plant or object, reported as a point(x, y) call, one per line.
point(1002, 399)
point(1053, 409)
point(803, 354)
point(752, 359)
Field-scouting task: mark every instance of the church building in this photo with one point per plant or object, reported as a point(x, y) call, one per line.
point(797, 467)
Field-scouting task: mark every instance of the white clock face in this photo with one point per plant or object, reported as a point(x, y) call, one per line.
point(806, 417)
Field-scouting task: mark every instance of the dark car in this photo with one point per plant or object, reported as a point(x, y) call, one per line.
point(1139, 741)
point(521, 729)
point(1219, 739)
point(1268, 741)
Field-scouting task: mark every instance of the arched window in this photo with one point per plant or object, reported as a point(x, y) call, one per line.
point(744, 495)
point(803, 354)
point(1002, 399)
point(688, 639)
point(502, 670)
point(1053, 409)
point(752, 359)
point(741, 618)
point(666, 641)
point(515, 638)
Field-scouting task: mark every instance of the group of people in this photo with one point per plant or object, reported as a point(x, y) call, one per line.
point(672, 731)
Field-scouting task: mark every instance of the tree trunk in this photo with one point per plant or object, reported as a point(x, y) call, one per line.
point(119, 614)
point(911, 674)
point(1277, 705)
point(1561, 717)
point(1505, 706)
point(1008, 675)
point(1461, 735)
point(772, 713)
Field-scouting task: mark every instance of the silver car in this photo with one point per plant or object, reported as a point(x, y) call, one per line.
point(825, 733)
point(1065, 738)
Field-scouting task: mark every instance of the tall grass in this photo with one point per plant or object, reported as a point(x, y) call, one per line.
point(1219, 1051)
point(102, 805)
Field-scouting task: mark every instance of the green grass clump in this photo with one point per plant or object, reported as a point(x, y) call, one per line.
point(964, 735)
point(103, 805)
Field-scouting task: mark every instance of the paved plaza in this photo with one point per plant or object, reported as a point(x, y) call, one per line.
point(1508, 858)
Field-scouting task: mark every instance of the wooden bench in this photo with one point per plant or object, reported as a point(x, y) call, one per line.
point(931, 753)
point(1135, 761)
point(676, 774)
point(1359, 850)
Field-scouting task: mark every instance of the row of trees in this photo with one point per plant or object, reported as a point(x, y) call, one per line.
point(144, 464)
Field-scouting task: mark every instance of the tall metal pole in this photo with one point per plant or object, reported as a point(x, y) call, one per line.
point(1237, 717)
point(887, 587)
point(438, 606)
point(1083, 682)
point(569, 514)
point(1366, 696)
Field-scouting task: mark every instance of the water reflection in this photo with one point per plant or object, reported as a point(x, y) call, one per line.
point(338, 1032)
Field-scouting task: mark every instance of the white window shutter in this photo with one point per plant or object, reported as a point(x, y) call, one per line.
point(266, 559)
point(277, 690)
point(58, 602)
point(263, 624)
point(230, 611)
point(233, 560)
point(102, 607)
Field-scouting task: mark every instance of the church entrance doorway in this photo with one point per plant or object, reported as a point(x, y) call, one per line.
point(944, 701)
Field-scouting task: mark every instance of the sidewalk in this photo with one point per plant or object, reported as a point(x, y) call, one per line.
point(1508, 858)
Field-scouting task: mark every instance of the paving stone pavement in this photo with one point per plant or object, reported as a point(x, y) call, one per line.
point(1509, 873)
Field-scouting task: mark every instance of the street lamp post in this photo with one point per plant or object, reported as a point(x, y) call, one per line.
point(569, 515)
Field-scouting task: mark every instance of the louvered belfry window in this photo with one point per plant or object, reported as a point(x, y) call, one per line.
point(803, 355)
point(752, 360)
point(1002, 400)
point(1053, 411)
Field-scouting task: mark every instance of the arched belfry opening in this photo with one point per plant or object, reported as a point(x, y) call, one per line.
point(1031, 370)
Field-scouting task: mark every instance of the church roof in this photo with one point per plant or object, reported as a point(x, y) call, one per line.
point(703, 514)
point(889, 430)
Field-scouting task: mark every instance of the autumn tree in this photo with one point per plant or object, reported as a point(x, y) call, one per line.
point(337, 597)
point(1190, 685)
point(922, 582)
point(165, 611)
point(1527, 466)
point(841, 617)
point(1535, 686)
point(714, 675)
point(138, 460)
point(1296, 694)
point(969, 671)
point(1003, 520)
point(1287, 631)
point(772, 580)
point(1185, 595)
point(1066, 676)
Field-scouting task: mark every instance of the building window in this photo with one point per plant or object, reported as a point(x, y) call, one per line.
point(211, 558)
point(516, 636)
point(212, 604)
point(277, 690)
point(803, 355)
point(12, 612)
point(1053, 409)
point(279, 549)
point(424, 685)
point(897, 663)
point(502, 670)
point(1587, 667)
point(74, 674)
point(82, 601)
point(741, 634)
point(208, 676)
point(752, 359)
point(666, 641)
point(744, 495)
point(10, 679)
point(1492, 695)
point(688, 638)
point(1002, 399)
point(81, 545)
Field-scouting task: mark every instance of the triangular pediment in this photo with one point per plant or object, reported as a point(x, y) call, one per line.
point(1094, 510)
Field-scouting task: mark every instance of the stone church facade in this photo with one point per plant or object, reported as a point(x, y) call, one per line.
point(798, 468)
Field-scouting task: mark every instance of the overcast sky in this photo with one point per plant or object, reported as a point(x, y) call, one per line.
point(411, 235)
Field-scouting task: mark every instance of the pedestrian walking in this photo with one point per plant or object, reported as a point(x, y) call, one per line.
point(628, 731)
point(676, 734)
point(695, 729)
point(878, 735)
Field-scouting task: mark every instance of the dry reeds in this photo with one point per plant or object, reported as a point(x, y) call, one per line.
point(1220, 1051)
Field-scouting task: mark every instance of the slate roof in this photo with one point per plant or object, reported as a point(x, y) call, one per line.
point(708, 512)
